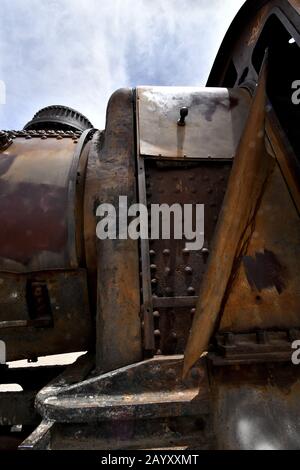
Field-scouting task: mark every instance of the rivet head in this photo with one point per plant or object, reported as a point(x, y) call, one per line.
point(156, 314)
point(153, 267)
point(167, 271)
point(156, 333)
point(166, 252)
point(152, 253)
point(193, 311)
point(154, 281)
point(188, 270)
point(191, 290)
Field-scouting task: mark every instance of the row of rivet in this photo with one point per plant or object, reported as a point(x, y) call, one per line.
point(188, 270)
point(42, 134)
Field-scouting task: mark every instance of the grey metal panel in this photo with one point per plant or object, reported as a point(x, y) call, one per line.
point(213, 127)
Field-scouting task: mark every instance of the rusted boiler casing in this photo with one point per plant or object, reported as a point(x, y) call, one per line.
point(52, 182)
point(44, 290)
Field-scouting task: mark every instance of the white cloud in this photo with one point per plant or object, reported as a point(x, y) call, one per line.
point(77, 52)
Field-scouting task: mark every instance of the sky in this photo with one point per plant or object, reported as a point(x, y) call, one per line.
point(78, 52)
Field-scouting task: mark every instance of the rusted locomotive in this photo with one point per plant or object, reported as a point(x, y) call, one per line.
point(185, 349)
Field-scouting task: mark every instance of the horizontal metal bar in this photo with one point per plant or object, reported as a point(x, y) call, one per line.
point(172, 302)
point(13, 323)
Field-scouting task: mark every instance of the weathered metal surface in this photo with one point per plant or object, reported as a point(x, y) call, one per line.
point(149, 389)
point(90, 202)
point(177, 433)
point(213, 126)
point(148, 405)
point(241, 38)
point(146, 289)
point(287, 160)
point(248, 348)
point(174, 272)
point(251, 170)
point(70, 327)
point(37, 214)
point(18, 408)
point(265, 293)
point(40, 439)
point(118, 290)
point(241, 407)
point(257, 407)
point(59, 117)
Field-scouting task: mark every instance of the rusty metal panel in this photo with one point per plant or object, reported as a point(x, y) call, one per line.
point(118, 289)
point(37, 215)
point(71, 322)
point(215, 121)
point(265, 293)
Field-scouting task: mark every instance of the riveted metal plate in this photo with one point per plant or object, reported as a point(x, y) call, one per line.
point(215, 121)
point(175, 273)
